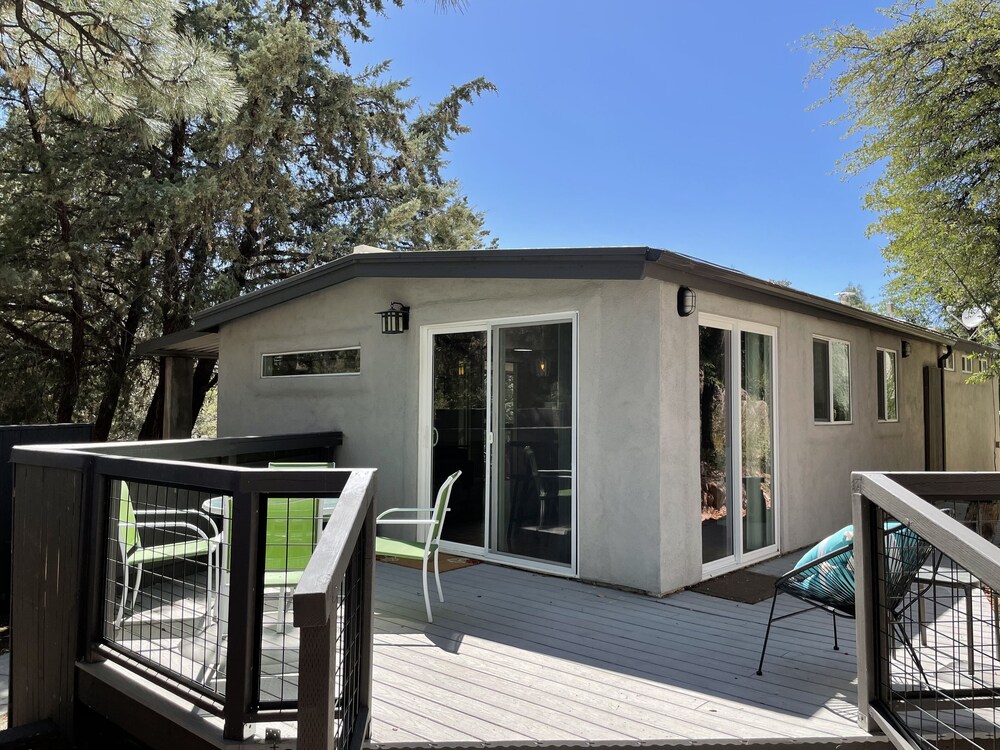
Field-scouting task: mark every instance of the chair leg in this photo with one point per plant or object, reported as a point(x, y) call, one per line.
point(135, 591)
point(836, 645)
point(121, 604)
point(437, 574)
point(908, 644)
point(767, 634)
point(427, 599)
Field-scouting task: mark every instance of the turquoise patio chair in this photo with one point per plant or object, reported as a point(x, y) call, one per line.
point(823, 579)
point(419, 550)
point(197, 543)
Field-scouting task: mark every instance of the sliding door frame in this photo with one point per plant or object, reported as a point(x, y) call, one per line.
point(736, 327)
point(493, 488)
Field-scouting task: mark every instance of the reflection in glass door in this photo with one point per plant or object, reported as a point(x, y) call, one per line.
point(736, 441)
point(458, 434)
point(714, 376)
point(756, 438)
point(534, 461)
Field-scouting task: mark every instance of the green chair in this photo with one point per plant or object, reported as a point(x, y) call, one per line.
point(198, 543)
point(419, 550)
point(291, 533)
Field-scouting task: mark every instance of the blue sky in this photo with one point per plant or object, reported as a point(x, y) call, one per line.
point(679, 124)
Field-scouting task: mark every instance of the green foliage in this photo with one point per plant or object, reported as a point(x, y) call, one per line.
point(110, 237)
point(923, 96)
point(106, 59)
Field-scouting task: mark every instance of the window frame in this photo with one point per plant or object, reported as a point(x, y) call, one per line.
point(949, 363)
point(265, 355)
point(968, 361)
point(879, 352)
point(829, 341)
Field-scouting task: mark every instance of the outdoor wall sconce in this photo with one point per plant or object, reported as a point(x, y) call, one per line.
point(905, 346)
point(542, 367)
point(396, 319)
point(686, 301)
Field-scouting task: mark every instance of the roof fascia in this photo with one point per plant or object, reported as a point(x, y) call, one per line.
point(559, 263)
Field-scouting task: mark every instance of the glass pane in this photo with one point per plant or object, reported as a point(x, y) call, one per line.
point(459, 435)
point(756, 440)
point(880, 381)
point(890, 385)
point(535, 454)
point(821, 381)
point(331, 362)
point(716, 523)
point(840, 360)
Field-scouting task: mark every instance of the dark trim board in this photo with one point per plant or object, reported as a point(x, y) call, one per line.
point(818, 743)
point(622, 263)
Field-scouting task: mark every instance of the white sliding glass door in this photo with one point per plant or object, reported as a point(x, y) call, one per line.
point(737, 443)
point(498, 401)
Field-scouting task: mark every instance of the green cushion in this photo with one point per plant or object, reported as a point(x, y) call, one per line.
point(283, 578)
point(175, 551)
point(398, 548)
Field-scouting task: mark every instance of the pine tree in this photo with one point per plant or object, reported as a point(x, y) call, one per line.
point(115, 237)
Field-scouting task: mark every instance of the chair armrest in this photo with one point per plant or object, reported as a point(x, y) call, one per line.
point(174, 525)
point(173, 512)
point(812, 563)
point(384, 513)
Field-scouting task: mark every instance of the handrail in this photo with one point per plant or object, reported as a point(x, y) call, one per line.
point(902, 688)
point(961, 544)
point(316, 595)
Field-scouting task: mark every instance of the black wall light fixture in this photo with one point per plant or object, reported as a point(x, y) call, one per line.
point(905, 346)
point(686, 301)
point(396, 319)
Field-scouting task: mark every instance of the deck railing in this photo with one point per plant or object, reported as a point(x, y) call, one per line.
point(174, 551)
point(927, 576)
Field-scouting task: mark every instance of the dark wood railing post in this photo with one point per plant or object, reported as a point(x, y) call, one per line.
point(367, 623)
point(864, 605)
point(243, 611)
point(97, 588)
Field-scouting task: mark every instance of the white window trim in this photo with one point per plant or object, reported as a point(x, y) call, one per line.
point(850, 379)
point(967, 364)
point(264, 355)
point(951, 359)
point(885, 396)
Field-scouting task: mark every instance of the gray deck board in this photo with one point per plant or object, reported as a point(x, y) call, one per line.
point(552, 659)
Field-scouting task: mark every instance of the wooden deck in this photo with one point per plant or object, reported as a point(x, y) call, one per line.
point(518, 657)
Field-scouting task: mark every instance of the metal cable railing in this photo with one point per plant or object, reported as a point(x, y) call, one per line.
point(929, 645)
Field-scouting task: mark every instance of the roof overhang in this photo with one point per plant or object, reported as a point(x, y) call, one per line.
point(608, 263)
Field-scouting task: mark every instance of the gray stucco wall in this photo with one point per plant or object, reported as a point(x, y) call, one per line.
point(638, 453)
point(618, 461)
point(969, 436)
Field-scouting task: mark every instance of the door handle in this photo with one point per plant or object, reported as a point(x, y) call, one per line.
point(434, 436)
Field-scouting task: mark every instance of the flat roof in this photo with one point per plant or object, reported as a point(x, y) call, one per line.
point(610, 263)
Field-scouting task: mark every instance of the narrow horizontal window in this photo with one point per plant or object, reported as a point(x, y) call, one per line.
point(328, 362)
point(831, 380)
point(886, 379)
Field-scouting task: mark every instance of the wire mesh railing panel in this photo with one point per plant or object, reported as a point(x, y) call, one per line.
point(292, 528)
point(165, 602)
point(938, 635)
point(350, 646)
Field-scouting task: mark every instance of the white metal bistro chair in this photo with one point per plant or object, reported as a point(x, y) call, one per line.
point(419, 550)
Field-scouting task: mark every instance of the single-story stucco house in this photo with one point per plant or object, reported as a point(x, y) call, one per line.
point(624, 415)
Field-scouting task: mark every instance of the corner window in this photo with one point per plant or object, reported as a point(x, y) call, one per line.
point(967, 360)
point(831, 381)
point(345, 361)
point(886, 379)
